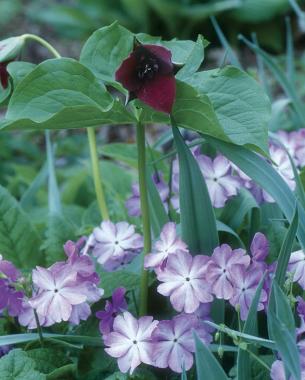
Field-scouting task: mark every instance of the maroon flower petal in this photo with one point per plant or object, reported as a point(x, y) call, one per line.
point(159, 93)
point(126, 74)
point(3, 74)
point(164, 57)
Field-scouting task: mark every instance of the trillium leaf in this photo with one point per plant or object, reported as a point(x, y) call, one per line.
point(10, 48)
point(19, 70)
point(19, 240)
point(198, 223)
point(59, 94)
point(195, 111)
point(207, 365)
point(242, 108)
point(105, 50)
point(193, 61)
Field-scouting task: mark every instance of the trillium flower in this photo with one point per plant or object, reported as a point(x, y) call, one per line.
point(118, 305)
point(169, 243)
point(57, 293)
point(148, 75)
point(130, 341)
point(184, 281)
point(114, 241)
point(219, 270)
point(221, 183)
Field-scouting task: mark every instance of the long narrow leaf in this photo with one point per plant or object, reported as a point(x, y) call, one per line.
point(281, 78)
point(250, 327)
point(286, 346)
point(207, 366)
point(285, 251)
point(198, 222)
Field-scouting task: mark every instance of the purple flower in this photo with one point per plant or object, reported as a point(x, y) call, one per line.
point(245, 284)
point(290, 140)
point(130, 341)
point(259, 247)
point(301, 314)
point(57, 292)
point(114, 241)
point(27, 318)
point(300, 150)
point(174, 342)
point(221, 183)
point(169, 243)
point(148, 75)
point(118, 305)
point(133, 203)
point(297, 267)
point(184, 281)
point(219, 269)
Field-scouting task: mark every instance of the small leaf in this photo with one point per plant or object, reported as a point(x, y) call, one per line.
point(110, 281)
point(19, 70)
point(10, 48)
point(198, 223)
point(206, 364)
point(19, 240)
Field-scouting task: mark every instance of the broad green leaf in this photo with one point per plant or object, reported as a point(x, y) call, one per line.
point(59, 230)
point(206, 364)
point(242, 108)
point(237, 208)
point(285, 251)
point(285, 344)
point(266, 177)
point(105, 50)
point(19, 70)
point(250, 327)
point(10, 48)
point(123, 152)
point(198, 223)
point(222, 227)
point(62, 93)
point(19, 240)
point(110, 281)
point(195, 111)
point(16, 365)
point(194, 60)
point(47, 359)
point(95, 363)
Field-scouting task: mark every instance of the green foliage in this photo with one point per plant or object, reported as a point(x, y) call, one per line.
point(18, 365)
point(109, 281)
point(47, 359)
point(198, 223)
point(19, 240)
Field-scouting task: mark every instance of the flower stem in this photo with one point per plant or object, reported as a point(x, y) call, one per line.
point(42, 42)
point(100, 195)
point(258, 359)
point(38, 328)
point(145, 214)
point(91, 138)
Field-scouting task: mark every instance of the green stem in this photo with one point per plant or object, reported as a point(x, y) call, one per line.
point(145, 214)
point(91, 137)
point(258, 359)
point(42, 42)
point(38, 328)
point(63, 372)
point(100, 195)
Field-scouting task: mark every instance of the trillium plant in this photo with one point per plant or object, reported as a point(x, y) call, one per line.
point(197, 270)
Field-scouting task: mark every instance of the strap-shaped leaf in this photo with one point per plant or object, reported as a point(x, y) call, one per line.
point(198, 223)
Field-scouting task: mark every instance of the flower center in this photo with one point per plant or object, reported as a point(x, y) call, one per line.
point(134, 342)
point(175, 340)
point(147, 67)
point(116, 242)
point(55, 290)
point(187, 279)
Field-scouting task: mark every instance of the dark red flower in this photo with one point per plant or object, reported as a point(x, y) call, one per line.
point(4, 74)
point(148, 74)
